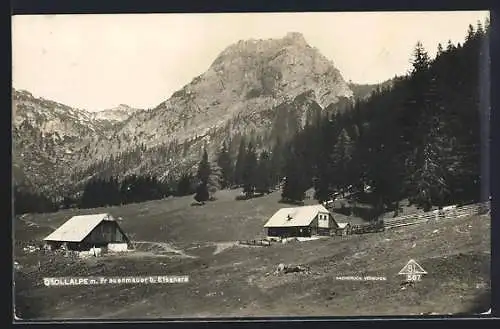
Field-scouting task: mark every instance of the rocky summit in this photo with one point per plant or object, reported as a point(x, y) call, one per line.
point(250, 89)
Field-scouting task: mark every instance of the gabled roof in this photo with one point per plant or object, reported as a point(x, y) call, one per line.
point(77, 228)
point(297, 216)
point(343, 225)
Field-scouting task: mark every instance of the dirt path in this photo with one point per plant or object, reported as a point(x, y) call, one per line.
point(33, 224)
point(166, 247)
point(221, 246)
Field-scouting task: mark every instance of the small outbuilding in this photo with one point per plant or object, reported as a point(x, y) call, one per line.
point(343, 228)
point(87, 231)
point(303, 221)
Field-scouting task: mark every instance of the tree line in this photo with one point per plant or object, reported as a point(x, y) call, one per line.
point(26, 201)
point(256, 172)
point(102, 192)
point(419, 139)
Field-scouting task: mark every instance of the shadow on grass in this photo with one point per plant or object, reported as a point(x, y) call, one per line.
point(250, 196)
point(26, 308)
point(291, 202)
point(361, 197)
point(480, 304)
point(367, 214)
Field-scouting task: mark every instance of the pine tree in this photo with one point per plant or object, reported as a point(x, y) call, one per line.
point(450, 46)
point(240, 163)
point(429, 177)
point(340, 158)
point(263, 178)
point(323, 189)
point(225, 163)
point(249, 171)
point(204, 169)
point(421, 59)
point(203, 176)
point(439, 50)
point(416, 106)
point(470, 33)
point(479, 29)
point(427, 164)
point(295, 184)
point(214, 180)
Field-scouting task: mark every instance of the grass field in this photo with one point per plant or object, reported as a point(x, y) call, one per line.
point(174, 238)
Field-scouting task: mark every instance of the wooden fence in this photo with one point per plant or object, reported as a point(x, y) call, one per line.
point(445, 213)
point(261, 243)
point(367, 228)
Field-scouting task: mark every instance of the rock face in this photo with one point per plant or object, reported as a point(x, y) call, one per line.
point(49, 138)
point(250, 88)
point(118, 114)
point(246, 78)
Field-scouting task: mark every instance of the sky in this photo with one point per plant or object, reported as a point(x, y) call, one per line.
point(97, 62)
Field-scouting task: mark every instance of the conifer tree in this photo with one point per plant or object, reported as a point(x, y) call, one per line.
point(249, 171)
point(323, 179)
point(214, 180)
point(450, 46)
point(277, 162)
point(203, 176)
point(240, 163)
point(439, 49)
point(470, 33)
point(429, 178)
point(204, 169)
point(225, 163)
point(295, 184)
point(263, 178)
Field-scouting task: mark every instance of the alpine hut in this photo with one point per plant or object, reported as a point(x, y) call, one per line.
point(302, 221)
point(89, 231)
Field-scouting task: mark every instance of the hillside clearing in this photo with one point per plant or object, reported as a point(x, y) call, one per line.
point(229, 280)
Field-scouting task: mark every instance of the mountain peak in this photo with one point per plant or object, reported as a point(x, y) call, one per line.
point(296, 38)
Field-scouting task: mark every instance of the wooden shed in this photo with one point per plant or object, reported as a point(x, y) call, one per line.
point(87, 231)
point(343, 229)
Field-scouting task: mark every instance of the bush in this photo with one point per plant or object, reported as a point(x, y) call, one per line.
point(202, 194)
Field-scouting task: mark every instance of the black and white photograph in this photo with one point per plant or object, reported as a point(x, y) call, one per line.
point(251, 165)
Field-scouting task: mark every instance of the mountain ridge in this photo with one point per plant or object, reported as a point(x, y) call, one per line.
point(249, 88)
point(261, 74)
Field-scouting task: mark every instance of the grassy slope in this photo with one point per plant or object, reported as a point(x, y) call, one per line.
point(235, 282)
point(176, 221)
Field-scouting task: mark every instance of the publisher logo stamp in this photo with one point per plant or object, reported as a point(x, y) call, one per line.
point(413, 271)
